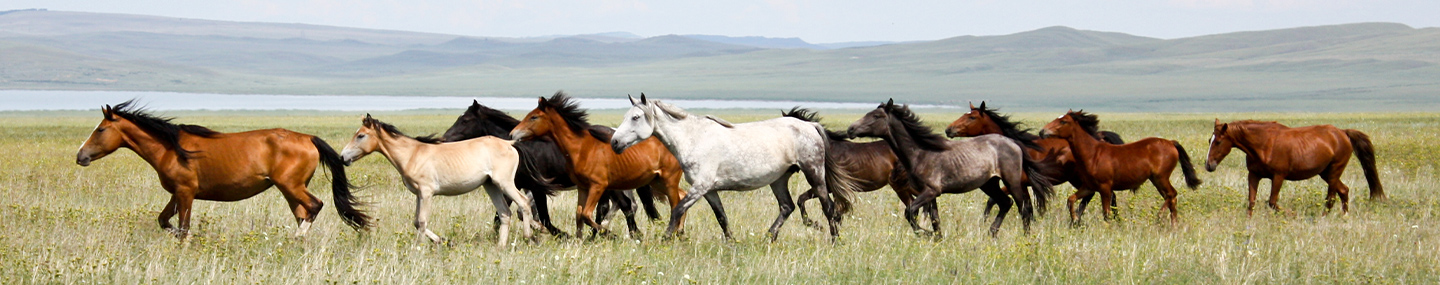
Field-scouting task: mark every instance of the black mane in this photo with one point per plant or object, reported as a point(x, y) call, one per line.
point(160, 127)
point(1087, 121)
point(921, 134)
point(496, 116)
point(392, 131)
point(1010, 129)
point(578, 119)
point(813, 117)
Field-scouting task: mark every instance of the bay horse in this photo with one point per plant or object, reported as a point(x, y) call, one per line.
point(871, 163)
point(984, 120)
point(1105, 168)
point(429, 167)
point(596, 168)
point(543, 167)
point(937, 165)
point(718, 156)
point(195, 162)
point(1276, 152)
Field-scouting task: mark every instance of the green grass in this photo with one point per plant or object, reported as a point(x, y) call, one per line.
point(67, 224)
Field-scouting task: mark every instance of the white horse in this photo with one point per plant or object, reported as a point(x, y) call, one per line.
point(718, 155)
point(447, 169)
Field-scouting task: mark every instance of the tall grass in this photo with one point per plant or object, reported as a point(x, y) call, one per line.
point(66, 224)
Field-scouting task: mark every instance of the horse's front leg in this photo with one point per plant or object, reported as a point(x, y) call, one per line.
point(422, 217)
point(713, 198)
point(584, 214)
point(1275, 183)
point(677, 213)
point(184, 199)
point(1254, 181)
point(927, 196)
point(1107, 201)
point(169, 212)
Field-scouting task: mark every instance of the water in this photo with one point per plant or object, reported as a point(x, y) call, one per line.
point(32, 100)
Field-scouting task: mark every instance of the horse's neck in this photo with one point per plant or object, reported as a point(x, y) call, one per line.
point(398, 149)
point(1083, 147)
point(572, 143)
point(990, 127)
point(1254, 142)
point(905, 148)
point(151, 150)
point(679, 137)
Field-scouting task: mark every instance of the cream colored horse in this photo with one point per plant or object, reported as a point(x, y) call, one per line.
point(447, 169)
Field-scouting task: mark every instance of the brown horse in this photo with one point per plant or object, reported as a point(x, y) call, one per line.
point(984, 120)
point(597, 168)
point(873, 165)
point(1276, 152)
point(1105, 168)
point(195, 162)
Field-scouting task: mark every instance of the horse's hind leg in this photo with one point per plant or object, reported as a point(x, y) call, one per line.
point(303, 205)
point(715, 206)
point(422, 216)
point(1167, 192)
point(800, 203)
point(1337, 188)
point(627, 206)
point(781, 188)
point(1002, 199)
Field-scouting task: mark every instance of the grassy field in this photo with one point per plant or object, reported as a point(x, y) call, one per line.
point(66, 224)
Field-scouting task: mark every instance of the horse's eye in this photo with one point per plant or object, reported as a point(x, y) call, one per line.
point(532, 118)
point(360, 136)
point(637, 118)
point(100, 130)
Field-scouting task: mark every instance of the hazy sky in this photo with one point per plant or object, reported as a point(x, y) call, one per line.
point(814, 21)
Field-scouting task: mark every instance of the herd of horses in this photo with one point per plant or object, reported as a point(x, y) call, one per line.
point(554, 148)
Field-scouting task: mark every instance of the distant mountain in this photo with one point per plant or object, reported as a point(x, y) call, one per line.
point(760, 42)
point(1364, 66)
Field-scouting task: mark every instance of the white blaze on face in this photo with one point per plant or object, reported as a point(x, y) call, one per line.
point(1212, 139)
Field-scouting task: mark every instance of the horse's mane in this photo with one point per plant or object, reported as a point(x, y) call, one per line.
point(813, 117)
point(160, 127)
point(1010, 129)
point(569, 109)
point(1089, 122)
point(921, 134)
point(499, 117)
point(1258, 123)
point(392, 131)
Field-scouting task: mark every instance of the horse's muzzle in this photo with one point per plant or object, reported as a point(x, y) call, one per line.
point(1211, 165)
point(82, 160)
point(520, 135)
point(1044, 134)
point(617, 147)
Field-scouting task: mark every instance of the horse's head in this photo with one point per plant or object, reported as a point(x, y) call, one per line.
point(975, 123)
point(1063, 127)
point(536, 123)
point(875, 124)
point(479, 121)
point(637, 125)
point(365, 141)
point(105, 139)
point(1220, 144)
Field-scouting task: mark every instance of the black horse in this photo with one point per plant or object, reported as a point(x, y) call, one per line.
point(543, 166)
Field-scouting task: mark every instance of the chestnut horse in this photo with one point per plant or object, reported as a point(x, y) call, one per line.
point(1105, 168)
point(596, 167)
point(984, 120)
point(195, 162)
point(871, 163)
point(1276, 152)
point(543, 168)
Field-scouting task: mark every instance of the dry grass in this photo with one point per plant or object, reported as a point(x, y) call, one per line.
point(67, 224)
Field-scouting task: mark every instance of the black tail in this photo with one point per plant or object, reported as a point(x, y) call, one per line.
point(1365, 151)
point(1191, 180)
point(340, 186)
point(1111, 137)
point(1040, 186)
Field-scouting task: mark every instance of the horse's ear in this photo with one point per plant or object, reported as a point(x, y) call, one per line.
point(982, 104)
point(642, 98)
point(632, 100)
point(107, 111)
point(889, 103)
point(1217, 122)
point(972, 105)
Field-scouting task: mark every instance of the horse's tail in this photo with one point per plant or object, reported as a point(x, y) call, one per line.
point(837, 178)
point(340, 186)
point(1111, 137)
point(1191, 180)
point(1365, 151)
point(1040, 185)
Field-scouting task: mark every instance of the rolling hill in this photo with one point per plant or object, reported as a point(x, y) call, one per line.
point(1360, 67)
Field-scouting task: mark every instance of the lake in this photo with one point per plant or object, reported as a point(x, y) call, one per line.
point(35, 100)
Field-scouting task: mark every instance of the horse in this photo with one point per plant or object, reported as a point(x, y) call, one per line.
point(718, 155)
point(937, 165)
point(195, 162)
point(429, 167)
point(1104, 167)
point(597, 169)
point(984, 120)
point(543, 168)
point(871, 163)
point(1281, 153)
